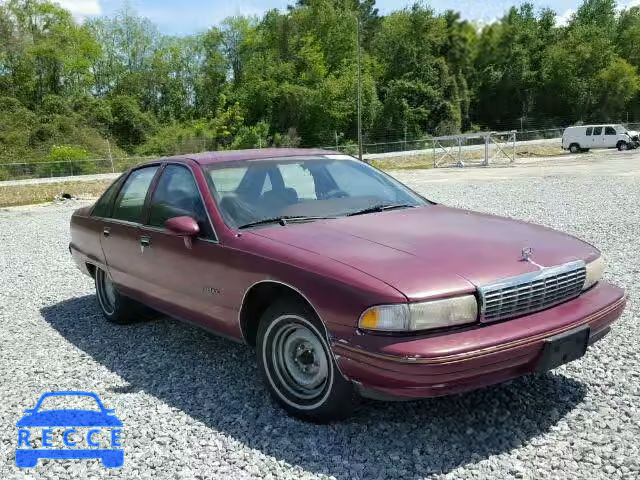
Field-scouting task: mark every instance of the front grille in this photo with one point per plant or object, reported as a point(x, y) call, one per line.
point(531, 292)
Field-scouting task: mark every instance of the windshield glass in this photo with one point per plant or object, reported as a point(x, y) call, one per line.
point(323, 186)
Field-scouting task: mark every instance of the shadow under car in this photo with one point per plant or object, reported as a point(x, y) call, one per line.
point(216, 382)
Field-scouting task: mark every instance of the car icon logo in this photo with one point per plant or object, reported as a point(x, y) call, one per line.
point(96, 422)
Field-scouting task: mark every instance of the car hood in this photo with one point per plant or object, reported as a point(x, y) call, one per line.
point(69, 418)
point(433, 251)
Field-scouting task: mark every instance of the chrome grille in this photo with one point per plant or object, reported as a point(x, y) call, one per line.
point(531, 292)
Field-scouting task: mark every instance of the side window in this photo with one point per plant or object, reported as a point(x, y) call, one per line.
point(589, 131)
point(130, 201)
point(103, 206)
point(267, 187)
point(597, 130)
point(227, 180)
point(610, 131)
point(356, 183)
point(177, 195)
point(295, 175)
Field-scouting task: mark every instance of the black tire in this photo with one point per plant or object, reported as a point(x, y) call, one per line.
point(115, 307)
point(574, 148)
point(622, 146)
point(306, 382)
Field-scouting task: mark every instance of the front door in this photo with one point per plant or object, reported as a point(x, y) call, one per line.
point(184, 279)
point(610, 137)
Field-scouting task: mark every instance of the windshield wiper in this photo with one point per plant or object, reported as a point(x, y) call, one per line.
point(282, 220)
point(379, 208)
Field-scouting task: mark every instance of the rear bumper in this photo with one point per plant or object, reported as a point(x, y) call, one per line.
point(462, 361)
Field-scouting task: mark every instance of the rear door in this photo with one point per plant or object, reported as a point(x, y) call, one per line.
point(121, 231)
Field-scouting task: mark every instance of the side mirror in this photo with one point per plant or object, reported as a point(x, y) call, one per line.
point(185, 227)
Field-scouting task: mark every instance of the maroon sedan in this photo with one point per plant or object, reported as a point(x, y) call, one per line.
point(348, 283)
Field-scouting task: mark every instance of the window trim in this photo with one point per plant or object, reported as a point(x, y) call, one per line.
point(152, 190)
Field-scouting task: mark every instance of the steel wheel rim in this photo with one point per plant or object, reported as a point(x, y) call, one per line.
point(297, 362)
point(106, 293)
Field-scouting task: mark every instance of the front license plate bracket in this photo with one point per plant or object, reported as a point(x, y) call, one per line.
point(563, 348)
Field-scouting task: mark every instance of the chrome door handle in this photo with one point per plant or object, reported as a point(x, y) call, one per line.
point(144, 243)
point(106, 231)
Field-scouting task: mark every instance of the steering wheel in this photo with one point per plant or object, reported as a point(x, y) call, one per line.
point(336, 193)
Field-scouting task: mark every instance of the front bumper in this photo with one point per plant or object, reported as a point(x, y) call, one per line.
point(441, 364)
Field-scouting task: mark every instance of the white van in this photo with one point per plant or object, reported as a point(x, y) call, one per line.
point(586, 137)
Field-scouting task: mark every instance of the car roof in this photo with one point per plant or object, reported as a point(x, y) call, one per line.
point(596, 125)
point(208, 158)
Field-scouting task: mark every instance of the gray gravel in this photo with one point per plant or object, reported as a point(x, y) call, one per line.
point(192, 407)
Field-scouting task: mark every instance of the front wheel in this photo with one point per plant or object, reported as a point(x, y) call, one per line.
point(296, 363)
point(622, 146)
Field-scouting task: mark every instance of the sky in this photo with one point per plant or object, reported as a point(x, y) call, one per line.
point(184, 17)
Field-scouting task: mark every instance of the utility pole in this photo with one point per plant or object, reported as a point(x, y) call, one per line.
point(113, 170)
point(359, 61)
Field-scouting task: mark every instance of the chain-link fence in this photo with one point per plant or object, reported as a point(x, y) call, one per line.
point(67, 168)
point(419, 152)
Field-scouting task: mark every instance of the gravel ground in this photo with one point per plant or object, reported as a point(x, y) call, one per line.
point(192, 408)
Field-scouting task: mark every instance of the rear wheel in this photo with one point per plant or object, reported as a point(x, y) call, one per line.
point(296, 363)
point(574, 148)
point(116, 307)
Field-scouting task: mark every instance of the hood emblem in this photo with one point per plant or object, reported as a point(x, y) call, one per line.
point(526, 254)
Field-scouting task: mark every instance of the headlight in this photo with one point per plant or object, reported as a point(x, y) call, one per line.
point(595, 270)
point(420, 316)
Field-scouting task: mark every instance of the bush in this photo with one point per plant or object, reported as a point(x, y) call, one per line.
point(66, 160)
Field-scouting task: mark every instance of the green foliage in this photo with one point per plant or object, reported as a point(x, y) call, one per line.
point(66, 153)
point(129, 124)
point(289, 78)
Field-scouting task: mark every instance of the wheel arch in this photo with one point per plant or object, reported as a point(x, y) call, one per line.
point(91, 268)
point(259, 296)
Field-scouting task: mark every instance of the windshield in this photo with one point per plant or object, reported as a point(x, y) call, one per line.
point(252, 191)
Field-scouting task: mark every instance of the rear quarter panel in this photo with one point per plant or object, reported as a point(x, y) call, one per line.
point(85, 240)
